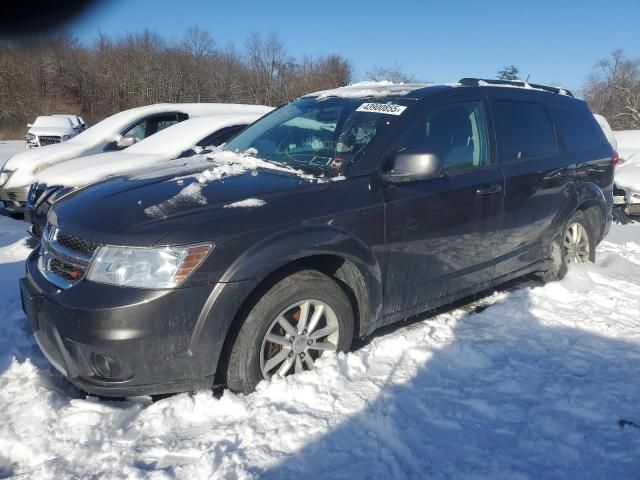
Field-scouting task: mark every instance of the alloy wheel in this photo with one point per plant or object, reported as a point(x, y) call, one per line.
point(297, 337)
point(576, 244)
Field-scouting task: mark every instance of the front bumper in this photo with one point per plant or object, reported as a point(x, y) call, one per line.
point(151, 338)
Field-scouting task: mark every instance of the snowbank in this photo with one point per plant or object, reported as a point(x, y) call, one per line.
point(537, 382)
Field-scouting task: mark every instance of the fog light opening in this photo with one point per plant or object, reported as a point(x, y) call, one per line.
point(107, 367)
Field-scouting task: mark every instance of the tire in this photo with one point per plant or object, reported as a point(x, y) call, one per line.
point(306, 291)
point(563, 254)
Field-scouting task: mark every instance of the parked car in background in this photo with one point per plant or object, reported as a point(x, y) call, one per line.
point(196, 135)
point(78, 122)
point(49, 130)
point(337, 214)
point(628, 143)
point(114, 133)
point(628, 173)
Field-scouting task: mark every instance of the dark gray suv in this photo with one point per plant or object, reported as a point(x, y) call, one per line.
point(338, 213)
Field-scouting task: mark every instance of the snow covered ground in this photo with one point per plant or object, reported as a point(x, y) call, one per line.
point(535, 382)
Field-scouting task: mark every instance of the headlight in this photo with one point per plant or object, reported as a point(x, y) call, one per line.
point(66, 137)
point(31, 137)
point(165, 267)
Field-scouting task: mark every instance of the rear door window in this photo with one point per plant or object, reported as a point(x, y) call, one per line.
point(578, 130)
point(524, 131)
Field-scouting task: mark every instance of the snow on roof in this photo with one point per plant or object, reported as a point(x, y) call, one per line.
point(369, 89)
point(164, 145)
point(187, 134)
point(526, 86)
point(111, 126)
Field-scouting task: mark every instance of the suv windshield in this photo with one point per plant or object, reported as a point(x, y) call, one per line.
point(321, 137)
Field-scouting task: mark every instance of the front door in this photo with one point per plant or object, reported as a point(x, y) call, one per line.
point(441, 233)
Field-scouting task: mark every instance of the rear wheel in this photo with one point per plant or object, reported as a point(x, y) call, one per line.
point(576, 245)
point(289, 328)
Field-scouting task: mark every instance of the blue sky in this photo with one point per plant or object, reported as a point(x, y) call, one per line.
point(553, 41)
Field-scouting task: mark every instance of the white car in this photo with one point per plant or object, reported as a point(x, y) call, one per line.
point(78, 122)
point(627, 176)
point(114, 133)
point(183, 140)
point(50, 129)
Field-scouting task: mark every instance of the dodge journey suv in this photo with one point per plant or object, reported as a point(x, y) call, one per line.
point(332, 216)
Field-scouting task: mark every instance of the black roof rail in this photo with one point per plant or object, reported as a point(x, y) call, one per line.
point(476, 82)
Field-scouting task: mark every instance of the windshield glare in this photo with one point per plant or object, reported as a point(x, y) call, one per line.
point(321, 137)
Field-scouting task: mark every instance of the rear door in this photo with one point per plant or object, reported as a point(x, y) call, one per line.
point(539, 180)
point(440, 233)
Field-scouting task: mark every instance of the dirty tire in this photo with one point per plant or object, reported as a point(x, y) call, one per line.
point(243, 370)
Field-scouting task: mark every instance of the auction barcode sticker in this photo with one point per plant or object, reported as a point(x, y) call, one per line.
point(388, 108)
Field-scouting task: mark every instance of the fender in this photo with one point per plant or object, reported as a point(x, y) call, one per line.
point(272, 253)
point(588, 194)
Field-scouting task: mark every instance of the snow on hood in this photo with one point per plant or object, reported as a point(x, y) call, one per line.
point(628, 142)
point(26, 163)
point(164, 145)
point(53, 121)
point(219, 165)
point(369, 89)
point(57, 131)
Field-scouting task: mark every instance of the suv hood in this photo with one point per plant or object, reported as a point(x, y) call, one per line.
point(141, 209)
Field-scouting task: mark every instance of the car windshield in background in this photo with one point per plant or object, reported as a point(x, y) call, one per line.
point(321, 137)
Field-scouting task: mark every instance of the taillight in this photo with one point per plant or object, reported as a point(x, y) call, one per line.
point(615, 158)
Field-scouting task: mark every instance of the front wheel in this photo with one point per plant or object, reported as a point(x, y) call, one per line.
point(289, 328)
point(576, 245)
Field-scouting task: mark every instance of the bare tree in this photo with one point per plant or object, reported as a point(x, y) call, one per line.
point(198, 42)
point(393, 74)
point(613, 90)
point(59, 75)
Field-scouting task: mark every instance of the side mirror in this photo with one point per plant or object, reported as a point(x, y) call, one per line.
point(413, 166)
point(29, 125)
point(124, 142)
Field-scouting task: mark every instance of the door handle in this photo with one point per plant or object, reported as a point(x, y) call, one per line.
point(489, 190)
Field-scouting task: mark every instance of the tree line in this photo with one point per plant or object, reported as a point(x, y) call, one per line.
point(60, 75)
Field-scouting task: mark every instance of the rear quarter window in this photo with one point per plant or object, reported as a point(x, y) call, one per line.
point(524, 131)
point(577, 129)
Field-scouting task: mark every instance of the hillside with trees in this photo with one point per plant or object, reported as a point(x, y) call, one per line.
point(60, 75)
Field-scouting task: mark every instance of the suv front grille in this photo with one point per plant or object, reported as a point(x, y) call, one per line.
point(76, 244)
point(48, 140)
point(64, 258)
